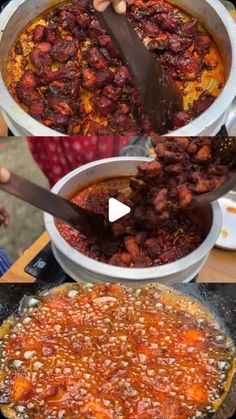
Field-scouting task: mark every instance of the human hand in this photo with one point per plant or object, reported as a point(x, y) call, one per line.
point(4, 175)
point(4, 217)
point(118, 5)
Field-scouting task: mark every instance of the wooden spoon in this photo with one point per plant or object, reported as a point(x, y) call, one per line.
point(94, 226)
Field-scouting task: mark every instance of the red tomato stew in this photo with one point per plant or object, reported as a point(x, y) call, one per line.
point(138, 246)
point(111, 352)
point(65, 71)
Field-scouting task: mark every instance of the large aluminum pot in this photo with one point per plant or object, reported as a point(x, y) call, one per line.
point(79, 266)
point(211, 13)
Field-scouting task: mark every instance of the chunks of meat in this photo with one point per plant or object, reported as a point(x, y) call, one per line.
point(60, 105)
point(81, 5)
point(28, 95)
point(125, 124)
point(110, 62)
point(153, 247)
point(154, 169)
point(66, 88)
point(83, 21)
point(36, 110)
point(67, 20)
point(112, 92)
point(188, 67)
point(106, 41)
point(95, 29)
point(55, 119)
point(73, 53)
point(104, 77)
point(122, 76)
point(182, 118)
point(151, 28)
point(189, 28)
point(185, 196)
point(202, 43)
point(169, 23)
point(39, 33)
point(95, 58)
point(121, 259)
point(18, 48)
point(104, 106)
point(204, 154)
point(141, 13)
point(40, 56)
point(89, 78)
point(197, 153)
point(204, 101)
point(142, 262)
point(175, 43)
point(131, 247)
point(95, 128)
point(99, 79)
point(62, 50)
point(50, 36)
point(28, 79)
point(160, 200)
point(159, 44)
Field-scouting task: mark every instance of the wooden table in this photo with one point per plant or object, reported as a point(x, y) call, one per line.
point(221, 265)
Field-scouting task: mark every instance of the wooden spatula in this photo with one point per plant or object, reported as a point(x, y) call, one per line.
point(157, 90)
point(92, 225)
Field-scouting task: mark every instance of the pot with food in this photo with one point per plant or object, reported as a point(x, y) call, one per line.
point(65, 75)
point(161, 239)
point(109, 351)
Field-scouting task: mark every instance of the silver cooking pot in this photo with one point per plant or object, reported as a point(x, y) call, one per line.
point(78, 266)
point(211, 13)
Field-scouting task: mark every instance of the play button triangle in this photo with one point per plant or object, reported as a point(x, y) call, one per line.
point(117, 210)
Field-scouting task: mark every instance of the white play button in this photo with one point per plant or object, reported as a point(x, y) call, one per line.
point(117, 210)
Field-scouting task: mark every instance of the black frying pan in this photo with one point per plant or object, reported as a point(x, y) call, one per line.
point(220, 299)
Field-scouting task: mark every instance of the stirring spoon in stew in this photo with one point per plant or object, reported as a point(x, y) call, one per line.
point(94, 226)
point(159, 95)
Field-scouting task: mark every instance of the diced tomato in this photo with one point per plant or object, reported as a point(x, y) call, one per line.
point(22, 388)
point(193, 337)
point(197, 393)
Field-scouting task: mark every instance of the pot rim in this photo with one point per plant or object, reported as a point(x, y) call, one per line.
point(129, 273)
point(214, 112)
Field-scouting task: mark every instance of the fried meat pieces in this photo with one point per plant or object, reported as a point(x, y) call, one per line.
point(72, 46)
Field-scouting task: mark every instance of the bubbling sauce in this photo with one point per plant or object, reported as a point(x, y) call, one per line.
point(112, 352)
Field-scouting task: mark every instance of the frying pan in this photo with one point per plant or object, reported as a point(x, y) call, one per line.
point(220, 300)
